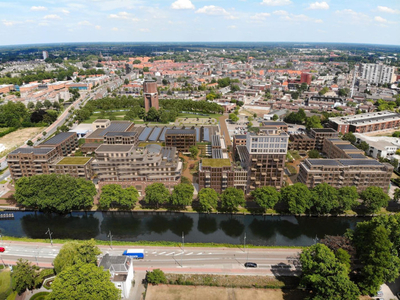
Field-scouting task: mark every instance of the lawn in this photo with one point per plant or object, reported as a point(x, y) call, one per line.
point(216, 162)
point(186, 115)
point(40, 296)
point(76, 160)
point(5, 283)
point(295, 154)
point(171, 292)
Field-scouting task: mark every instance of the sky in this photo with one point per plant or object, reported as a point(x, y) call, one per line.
point(63, 21)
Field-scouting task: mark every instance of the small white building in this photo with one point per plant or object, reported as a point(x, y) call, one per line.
point(121, 272)
point(382, 146)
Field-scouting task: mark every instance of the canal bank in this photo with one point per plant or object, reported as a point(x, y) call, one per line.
point(170, 227)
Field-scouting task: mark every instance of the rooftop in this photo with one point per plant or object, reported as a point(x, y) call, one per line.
point(216, 163)
point(127, 133)
point(59, 138)
point(27, 150)
point(74, 160)
point(367, 118)
point(114, 148)
point(323, 129)
point(180, 131)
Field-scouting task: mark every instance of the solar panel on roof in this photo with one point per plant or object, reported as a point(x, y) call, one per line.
point(145, 133)
point(197, 134)
point(354, 162)
point(59, 138)
point(154, 135)
point(162, 135)
point(206, 132)
point(324, 162)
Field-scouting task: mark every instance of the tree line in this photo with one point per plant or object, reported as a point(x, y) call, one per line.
point(343, 267)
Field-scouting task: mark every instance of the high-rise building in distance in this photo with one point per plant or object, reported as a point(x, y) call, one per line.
point(45, 54)
point(377, 73)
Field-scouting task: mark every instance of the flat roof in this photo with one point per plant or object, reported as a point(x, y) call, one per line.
point(273, 123)
point(240, 136)
point(59, 138)
point(355, 162)
point(114, 148)
point(324, 162)
point(115, 126)
point(42, 150)
point(74, 160)
point(180, 131)
point(367, 118)
point(356, 155)
point(125, 133)
point(216, 163)
point(323, 129)
point(347, 147)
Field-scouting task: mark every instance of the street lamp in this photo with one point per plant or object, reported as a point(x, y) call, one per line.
point(183, 246)
point(110, 236)
point(49, 233)
point(244, 242)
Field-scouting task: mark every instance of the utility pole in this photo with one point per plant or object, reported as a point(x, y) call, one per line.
point(110, 236)
point(183, 246)
point(244, 242)
point(49, 233)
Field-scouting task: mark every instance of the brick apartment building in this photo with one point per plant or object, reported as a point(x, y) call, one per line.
point(182, 139)
point(301, 142)
point(337, 148)
point(128, 165)
point(123, 138)
point(320, 134)
point(368, 122)
point(64, 142)
point(217, 174)
point(75, 166)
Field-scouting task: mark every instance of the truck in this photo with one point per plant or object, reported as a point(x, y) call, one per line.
point(134, 253)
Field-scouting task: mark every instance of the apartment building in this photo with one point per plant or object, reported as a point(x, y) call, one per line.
point(217, 174)
point(274, 125)
point(103, 127)
point(338, 173)
point(301, 142)
point(123, 138)
point(64, 143)
point(377, 73)
point(129, 165)
point(265, 158)
point(320, 134)
point(181, 139)
point(24, 162)
point(338, 148)
point(238, 140)
point(75, 166)
point(368, 122)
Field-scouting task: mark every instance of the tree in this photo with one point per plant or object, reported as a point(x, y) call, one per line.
point(73, 253)
point(325, 275)
point(39, 105)
point(55, 193)
point(275, 117)
point(56, 105)
point(31, 105)
point(194, 151)
point(25, 276)
point(182, 195)
point(233, 117)
point(396, 195)
point(47, 103)
point(344, 258)
point(208, 199)
point(363, 146)
point(347, 198)
point(374, 198)
point(324, 198)
point(349, 136)
point(313, 122)
point(114, 194)
point(83, 281)
point(156, 194)
point(146, 69)
point(231, 198)
point(153, 114)
point(126, 81)
point(156, 276)
point(323, 91)
point(29, 143)
point(313, 154)
point(266, 197)
point(297, 197)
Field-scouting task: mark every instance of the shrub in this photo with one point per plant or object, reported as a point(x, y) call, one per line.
point(156, 276)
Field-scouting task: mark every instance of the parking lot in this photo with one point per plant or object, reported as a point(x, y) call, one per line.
point(240, 127)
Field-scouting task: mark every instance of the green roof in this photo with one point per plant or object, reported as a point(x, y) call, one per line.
point(216, 162)
point(144, 144)
point(74, 160)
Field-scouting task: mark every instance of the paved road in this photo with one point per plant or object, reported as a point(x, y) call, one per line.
point(208, 260)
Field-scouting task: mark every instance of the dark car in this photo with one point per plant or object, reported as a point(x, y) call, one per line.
point(2, 249)
point(250, 265)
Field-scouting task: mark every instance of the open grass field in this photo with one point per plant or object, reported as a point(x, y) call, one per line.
point(173, 292)
point(5, 283)
point(18, 138)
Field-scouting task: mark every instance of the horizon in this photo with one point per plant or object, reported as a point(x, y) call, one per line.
point(189, 21)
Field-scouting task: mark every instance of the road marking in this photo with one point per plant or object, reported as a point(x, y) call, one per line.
point(155, 252)
point(189, 253)
point(162, 253)
point(180, 253)
point(200, 253)
point(169, 254)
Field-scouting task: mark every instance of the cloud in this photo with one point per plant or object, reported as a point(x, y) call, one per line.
point(84, 23)
point(232, 27)
point(319, 5)
point(388, 10)
point(300, 18)
point(43, 24)
point(213, 10)
point(52, 17)
point(354, 16)
point(8, 23)
point(260, 16)
point(182, 4)
point(381, 20)
point(114, 29)
point(65, 11)
point(144, 29)
point(98, 27)
point(280, 12)
point(38, 8)
point(123, 15)
point(276, 2)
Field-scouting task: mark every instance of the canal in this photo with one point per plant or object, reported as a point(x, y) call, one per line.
point(168, 226)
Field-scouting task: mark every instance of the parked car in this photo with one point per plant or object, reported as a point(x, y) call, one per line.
point(250, 265)
point(2, 249)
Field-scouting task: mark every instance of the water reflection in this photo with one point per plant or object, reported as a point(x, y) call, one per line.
point(232, 227)
point(206, 228)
